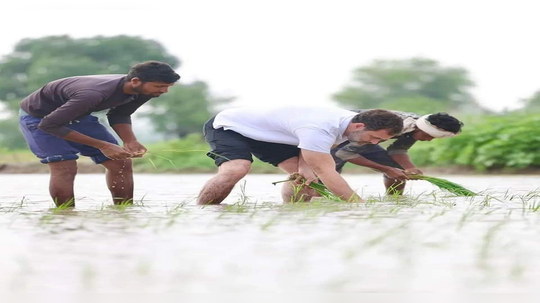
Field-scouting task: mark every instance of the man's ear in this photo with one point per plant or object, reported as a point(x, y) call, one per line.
point(358, 126)
point(135, 81)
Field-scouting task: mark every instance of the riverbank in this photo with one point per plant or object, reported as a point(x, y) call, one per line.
point(85, 166)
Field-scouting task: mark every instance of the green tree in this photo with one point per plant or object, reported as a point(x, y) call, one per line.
point(418, 85)
point(532, 103)
point(35, 62)
point(10, 136)
point(184, 109)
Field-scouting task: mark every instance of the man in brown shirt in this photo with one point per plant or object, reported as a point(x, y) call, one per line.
point(57, 124)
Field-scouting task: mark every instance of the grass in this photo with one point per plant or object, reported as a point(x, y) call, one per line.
point(16, 156)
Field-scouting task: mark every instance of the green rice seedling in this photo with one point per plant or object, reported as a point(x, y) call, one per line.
point(437, 214)
point(243, 196)
point(66, 205)
point(466, 215)
point(445, 185)
point(486, 249)
point(320, 188)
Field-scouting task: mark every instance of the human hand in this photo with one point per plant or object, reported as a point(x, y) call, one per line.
point(115, 152)
point(413, 171)
point(137, 149)
point(395, 173)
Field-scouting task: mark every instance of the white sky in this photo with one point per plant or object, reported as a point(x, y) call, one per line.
point(283, 52)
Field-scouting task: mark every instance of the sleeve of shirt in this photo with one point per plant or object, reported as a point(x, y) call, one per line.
point(122, 114)
point(348, 150)
point(78, 105)
point(314, 139)
point(401, 145)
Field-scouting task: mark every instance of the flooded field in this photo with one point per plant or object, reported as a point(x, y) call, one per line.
point(425, 241)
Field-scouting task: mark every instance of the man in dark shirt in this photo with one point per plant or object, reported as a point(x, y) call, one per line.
point(57, 124)
point(394, 162)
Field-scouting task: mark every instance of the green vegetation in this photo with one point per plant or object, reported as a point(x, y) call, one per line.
point(185, 155)
point(492, 142)
point(445, 184)
point(509, 142)
point(35, 62)
point(16, 156)
point(417, 85)
point(320, 188)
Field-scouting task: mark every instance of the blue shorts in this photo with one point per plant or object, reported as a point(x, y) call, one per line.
point(50, 148)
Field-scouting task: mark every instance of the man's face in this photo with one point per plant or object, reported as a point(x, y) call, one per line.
point(421, 135)
point(154, 89)
point(369, 136)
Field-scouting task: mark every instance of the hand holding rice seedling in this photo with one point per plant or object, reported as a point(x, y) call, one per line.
point(320, 188)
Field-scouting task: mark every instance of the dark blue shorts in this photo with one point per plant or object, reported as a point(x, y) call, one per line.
point(50, 148)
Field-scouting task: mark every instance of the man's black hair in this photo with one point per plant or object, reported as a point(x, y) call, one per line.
point(446, 122)
point(377, 119)
point(153, 71)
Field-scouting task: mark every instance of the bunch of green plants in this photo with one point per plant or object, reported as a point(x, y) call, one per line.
point(490, 142)
point(320, 188)
point(444, 184)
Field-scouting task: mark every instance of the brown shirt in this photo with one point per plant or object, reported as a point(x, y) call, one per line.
point(64, 100)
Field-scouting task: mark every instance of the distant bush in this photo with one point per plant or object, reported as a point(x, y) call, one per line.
point(490, 142)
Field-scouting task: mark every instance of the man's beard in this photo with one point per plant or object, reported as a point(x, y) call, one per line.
point(356, 137)
point(138, 90)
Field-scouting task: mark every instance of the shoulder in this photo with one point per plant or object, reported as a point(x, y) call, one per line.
point(106, 84)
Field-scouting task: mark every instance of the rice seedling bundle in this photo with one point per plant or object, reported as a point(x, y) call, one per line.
point(320, 188)
point(445, 185)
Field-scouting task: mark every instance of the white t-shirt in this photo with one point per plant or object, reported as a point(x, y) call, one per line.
point(314, 129)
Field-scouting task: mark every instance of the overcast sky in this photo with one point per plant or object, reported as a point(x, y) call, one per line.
point(283, 52)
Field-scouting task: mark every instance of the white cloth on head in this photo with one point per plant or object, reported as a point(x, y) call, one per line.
point(409, 125)
point(423, 124)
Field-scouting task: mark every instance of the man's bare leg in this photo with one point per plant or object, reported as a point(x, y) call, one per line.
point(119, 177)
point(394, 186)
point(61, 182)
point(221, 185)
point(290, 191)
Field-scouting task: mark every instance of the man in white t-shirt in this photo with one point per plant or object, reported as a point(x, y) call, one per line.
point(295, 139)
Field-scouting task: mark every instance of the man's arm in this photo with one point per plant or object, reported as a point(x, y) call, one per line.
point(324, 166)
point(120, 120)
point(398, 152)
point(122, 114)
point(389, 171)
point(78, 105)
point(405, 161)
point(111, 151)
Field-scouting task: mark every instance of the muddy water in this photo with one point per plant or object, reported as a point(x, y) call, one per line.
point(427, 241)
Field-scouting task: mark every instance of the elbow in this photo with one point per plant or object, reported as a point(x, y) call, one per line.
point(45, 127)
point(53, 129)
